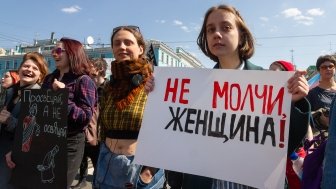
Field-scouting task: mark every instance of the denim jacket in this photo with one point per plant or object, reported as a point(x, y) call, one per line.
point(329, 171)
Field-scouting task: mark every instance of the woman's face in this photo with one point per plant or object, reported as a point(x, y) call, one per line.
point(29, 73)
point(125, 46)
point(61, 58)
point(222, 34)
point(6, 80)
point(327, 70)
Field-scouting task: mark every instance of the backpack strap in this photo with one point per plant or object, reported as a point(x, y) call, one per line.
point(91, 130)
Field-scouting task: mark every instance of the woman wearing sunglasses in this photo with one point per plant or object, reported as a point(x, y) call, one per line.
point(32, 71)
point(121, 116)
point(72, 72)
point(320, 97)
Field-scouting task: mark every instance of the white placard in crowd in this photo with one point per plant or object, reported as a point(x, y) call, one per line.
point(226, 124)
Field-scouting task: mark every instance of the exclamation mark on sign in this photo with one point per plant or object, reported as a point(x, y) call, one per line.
point(282, 131)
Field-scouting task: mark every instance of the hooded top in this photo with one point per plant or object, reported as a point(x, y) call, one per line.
point(288, 66)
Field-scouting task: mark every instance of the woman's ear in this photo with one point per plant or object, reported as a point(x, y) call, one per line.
point(141, 50)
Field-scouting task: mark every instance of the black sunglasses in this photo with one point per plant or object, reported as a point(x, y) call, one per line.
point(136, 28)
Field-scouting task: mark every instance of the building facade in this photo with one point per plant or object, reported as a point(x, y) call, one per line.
point(164, 55)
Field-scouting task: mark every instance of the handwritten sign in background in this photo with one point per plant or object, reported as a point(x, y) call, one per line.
point(40, 150)
point(252, 147)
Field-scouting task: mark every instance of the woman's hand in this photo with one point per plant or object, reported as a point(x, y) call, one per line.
point(298, 85)
point(324, 120)
point(57, 85)
point(4, 115)
point(9, 161)
point(150, 83)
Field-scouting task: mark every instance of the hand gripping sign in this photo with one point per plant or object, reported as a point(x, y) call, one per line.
point(224, 124)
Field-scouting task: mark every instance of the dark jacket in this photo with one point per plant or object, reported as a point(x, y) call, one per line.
point(300, 112)
point(82, 99)
point(7, 131)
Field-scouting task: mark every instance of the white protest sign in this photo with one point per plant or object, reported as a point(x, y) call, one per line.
point(225, 124)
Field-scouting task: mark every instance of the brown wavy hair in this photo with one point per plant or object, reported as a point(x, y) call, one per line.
point(40, 62)
point(100, 65)
point(246, 47)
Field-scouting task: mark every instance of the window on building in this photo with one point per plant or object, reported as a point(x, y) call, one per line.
point(162, 55)
point(102, 56)
point(167, 59)
point(0, 66)
point(7, 65)
point(15, 64)
point(171, 62)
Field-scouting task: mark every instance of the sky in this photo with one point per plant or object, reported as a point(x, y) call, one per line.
point(298, 31)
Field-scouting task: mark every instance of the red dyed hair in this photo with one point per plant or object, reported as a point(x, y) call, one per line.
point(14, 75)
point(79, 62)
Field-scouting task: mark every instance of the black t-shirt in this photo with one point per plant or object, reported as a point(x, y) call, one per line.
point(320, 98)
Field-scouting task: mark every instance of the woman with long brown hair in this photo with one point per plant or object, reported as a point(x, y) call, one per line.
point(121, 115)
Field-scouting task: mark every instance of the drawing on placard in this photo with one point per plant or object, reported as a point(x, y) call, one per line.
point(48, 165)
point(29, 128)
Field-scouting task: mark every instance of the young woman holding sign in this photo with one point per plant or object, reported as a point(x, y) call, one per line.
point(71, 63)
point(32, 71)
point(72, 72)
point(226, 39)
point(121, 115)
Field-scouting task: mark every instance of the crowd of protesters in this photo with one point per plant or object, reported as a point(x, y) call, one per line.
point(120, 101)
